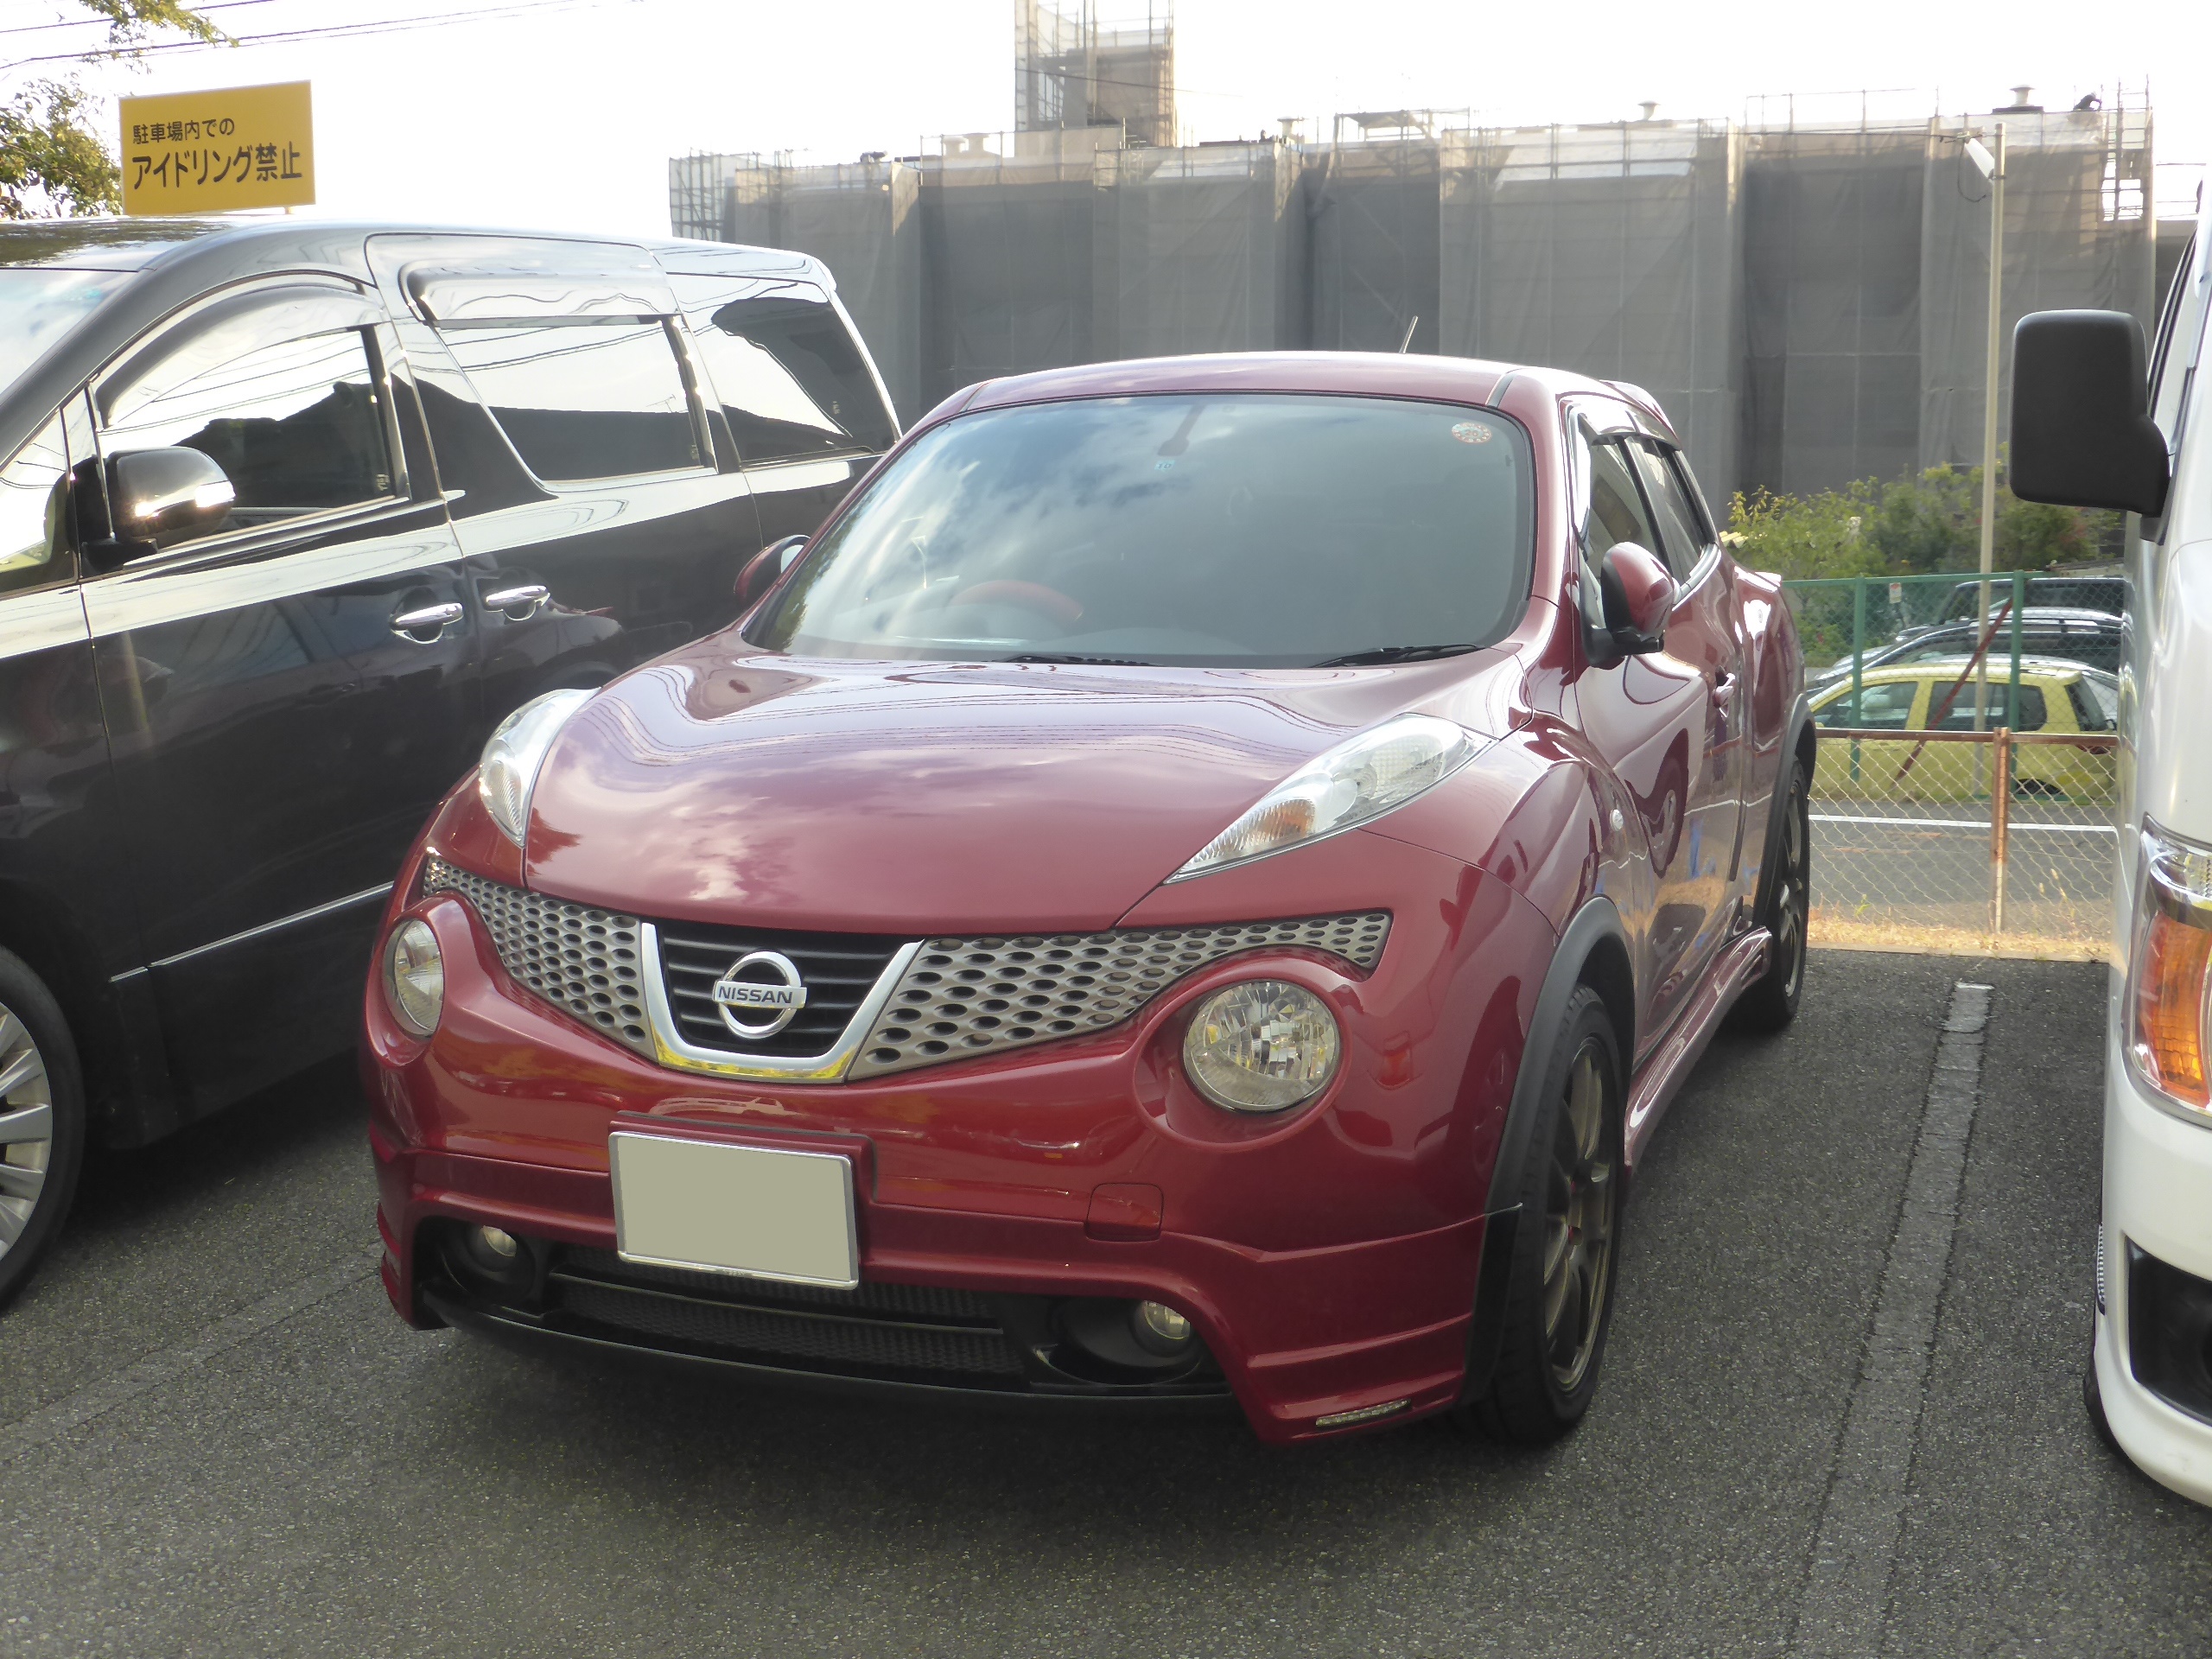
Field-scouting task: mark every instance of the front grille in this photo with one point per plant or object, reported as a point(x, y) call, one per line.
point(583, 960)
point(959, 998)
point(838, 970)
point(905, 1332)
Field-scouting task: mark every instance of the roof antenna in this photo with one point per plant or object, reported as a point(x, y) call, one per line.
point(1412, 323)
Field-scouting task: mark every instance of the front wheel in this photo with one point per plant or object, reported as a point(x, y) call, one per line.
point(1560, 1293)
point(1771, 1003)
point(41, 1121)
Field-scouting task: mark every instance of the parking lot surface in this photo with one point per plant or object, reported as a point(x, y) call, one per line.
point(216, 1438)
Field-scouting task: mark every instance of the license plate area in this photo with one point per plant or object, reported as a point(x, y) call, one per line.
point(764, 1212)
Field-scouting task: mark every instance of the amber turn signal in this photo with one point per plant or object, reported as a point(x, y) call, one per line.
point(2173, 949)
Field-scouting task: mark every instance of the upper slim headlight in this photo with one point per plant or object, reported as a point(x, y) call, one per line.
point(2168, 1034)
point(1353, 784)
point(414, 976)
point(508, 768)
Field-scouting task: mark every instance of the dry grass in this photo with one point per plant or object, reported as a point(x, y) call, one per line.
point(1831, 932)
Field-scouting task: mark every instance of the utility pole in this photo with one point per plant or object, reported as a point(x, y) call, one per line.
point(1992, 168)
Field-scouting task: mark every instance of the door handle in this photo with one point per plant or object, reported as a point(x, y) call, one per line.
point(525, 599)
point(433, 619)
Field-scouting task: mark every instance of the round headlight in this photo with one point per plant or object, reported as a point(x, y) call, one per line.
point(414, 976)
point(1262, 1047)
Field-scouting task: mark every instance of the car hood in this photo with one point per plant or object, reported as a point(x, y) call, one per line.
point(809, 793)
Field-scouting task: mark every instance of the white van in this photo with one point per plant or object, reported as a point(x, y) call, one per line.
point(2092, 429)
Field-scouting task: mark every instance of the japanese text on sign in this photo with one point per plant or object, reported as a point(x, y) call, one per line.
point(213, 152)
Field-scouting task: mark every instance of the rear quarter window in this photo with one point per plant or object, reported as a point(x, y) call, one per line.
point(791, 381)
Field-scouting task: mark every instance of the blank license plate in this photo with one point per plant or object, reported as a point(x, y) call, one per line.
point(767, 1213)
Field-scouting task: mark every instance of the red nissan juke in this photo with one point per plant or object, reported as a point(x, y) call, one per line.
point(1196, 886)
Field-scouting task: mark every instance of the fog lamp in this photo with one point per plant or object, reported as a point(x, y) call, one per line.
point(414, 976)
point(1264, 1045)
point(1160, 1328)
point(498, 1242)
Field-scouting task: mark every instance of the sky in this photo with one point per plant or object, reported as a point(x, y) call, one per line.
point(563, 113)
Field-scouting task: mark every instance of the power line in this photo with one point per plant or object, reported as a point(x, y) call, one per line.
point(362, 30)
point(103, 23)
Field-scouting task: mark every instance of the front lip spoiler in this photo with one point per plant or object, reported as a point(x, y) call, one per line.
point(525, 1337)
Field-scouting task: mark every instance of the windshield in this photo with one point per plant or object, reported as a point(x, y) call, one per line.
point(1246, 529)
point(37, 306)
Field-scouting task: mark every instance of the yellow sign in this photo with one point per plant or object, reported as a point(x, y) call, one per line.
point(214, 152)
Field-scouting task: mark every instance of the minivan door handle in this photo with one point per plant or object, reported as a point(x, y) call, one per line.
point(518, 604)
point(425, 626)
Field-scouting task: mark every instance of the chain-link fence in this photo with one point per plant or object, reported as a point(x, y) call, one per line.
point(1964, 797)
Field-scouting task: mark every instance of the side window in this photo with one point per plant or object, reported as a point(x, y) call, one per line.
point(1679, 525)
point(1884, 707)
point(297, 426)
point(2030, 716)
point(583, 400)
point(791, 382)
point(1616, 511)
point(34, 512)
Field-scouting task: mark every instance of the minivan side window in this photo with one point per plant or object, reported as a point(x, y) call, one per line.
point(34, 511)
point(297, 425)
point(582, 400)
point(791, 382)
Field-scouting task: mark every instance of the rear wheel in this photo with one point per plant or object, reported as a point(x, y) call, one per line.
point(1560, 1295)
point(41, 1121)
point(1771, 1003)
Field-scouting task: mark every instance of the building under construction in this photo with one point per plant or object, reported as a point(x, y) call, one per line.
point(1807, 299)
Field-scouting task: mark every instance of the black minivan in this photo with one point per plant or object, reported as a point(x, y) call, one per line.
point(292, 514)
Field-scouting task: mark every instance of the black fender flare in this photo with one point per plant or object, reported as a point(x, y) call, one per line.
point(1800, 722)
point(1597, 924)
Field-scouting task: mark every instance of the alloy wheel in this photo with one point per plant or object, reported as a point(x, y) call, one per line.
point(1578, 1222)
point(26, 1128)
point(1793, 896)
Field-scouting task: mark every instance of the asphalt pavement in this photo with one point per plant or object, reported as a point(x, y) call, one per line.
point(216, 1439)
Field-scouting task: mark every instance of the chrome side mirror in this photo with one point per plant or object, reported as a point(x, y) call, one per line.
point(161, 497)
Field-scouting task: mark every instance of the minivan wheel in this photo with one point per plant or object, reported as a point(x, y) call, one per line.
point(41, 1121)
point(1560, 1293)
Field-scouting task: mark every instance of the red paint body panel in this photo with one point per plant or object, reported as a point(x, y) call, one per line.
point(1329, 1255)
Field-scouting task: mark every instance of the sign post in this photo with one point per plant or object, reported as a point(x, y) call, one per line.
point(217, 152)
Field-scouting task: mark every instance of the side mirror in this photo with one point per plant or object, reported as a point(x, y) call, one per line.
point(2082, 435)
point(1638, 595)
point(762, 569)
point(159, 498)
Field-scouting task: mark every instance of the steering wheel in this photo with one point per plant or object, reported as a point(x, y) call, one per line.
point(1048, 602)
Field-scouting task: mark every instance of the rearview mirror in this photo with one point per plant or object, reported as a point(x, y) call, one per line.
point(159, 498)
point(1638, 595)
point(2082, 435)
point(762, 569)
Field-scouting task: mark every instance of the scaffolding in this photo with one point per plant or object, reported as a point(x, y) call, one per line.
point(1072, 70)
point(1610, 251)
point(1371, 205)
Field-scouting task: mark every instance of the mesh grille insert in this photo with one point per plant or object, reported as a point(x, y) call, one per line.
point(583, 961)
point(964, 997)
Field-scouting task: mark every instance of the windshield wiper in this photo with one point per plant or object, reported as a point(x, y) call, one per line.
point(1087, 662)
point(1394, 654)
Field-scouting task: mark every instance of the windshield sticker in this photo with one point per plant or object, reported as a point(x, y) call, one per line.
point(1471, 432)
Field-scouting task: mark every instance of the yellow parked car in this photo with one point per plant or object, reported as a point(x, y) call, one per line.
point(1938, 695)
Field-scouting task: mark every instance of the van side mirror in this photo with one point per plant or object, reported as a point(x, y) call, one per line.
point(1638, 595)
point(159, 498)
point(762, 569)
point(2082, 435)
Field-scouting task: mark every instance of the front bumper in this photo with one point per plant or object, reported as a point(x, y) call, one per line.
point(2157, 1241)
point(1328, 1261)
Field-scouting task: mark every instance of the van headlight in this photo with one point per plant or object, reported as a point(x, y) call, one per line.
point(414, 976)
point(1264, 1045)
point(1353, 784)
point(2167, 1035)
point(507, 770)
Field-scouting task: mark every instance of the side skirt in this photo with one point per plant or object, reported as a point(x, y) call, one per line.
point(1655, 1086)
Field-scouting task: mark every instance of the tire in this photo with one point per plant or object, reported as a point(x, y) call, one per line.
point(42, 1122)
point(1771, 1001)
point(1560, 1292)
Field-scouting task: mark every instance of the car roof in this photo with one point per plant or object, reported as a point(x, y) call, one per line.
point(2031, 614)
point(2047, 668)
point(110, 244)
